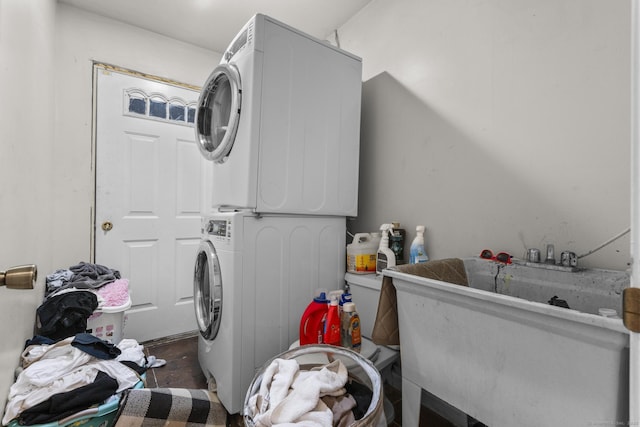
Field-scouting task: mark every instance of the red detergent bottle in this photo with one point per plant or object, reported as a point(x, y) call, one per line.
point(332, 325)
point(313, 319)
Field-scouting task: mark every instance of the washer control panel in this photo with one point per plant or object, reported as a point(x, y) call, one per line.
point(218, 229)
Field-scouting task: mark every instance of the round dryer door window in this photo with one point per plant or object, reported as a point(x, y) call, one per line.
point(218, 112)
point(207, 291)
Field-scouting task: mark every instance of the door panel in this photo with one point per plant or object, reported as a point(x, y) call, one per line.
point(151, 183)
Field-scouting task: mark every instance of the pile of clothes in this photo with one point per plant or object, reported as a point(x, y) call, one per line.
point(81, 276)
point(59, 378)
point(73, 294)
point(63, 369)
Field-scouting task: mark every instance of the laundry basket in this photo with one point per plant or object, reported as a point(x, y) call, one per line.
point(108, 323)
point(361, 372)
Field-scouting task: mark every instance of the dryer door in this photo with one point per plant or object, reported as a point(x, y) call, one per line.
point(218, 112)
point(207, 290)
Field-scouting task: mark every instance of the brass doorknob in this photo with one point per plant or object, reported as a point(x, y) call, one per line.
point(107, 226)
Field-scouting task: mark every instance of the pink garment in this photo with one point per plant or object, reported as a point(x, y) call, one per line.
point(115, 293)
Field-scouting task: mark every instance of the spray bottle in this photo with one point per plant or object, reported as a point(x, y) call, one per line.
point(417, 254)
point(386, 258)
point(332, 325)
point(338, 296)
point(346, 297)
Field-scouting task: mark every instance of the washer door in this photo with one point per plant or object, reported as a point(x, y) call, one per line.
point(218, 112)
point(207, 290)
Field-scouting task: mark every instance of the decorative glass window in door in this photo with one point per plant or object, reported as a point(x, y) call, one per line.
point(156, 106)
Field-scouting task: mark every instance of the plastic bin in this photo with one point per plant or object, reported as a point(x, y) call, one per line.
point(101, 416)
point(107, 323)
point(359, 368)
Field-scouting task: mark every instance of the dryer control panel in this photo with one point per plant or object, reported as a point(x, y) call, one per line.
point(220, 229)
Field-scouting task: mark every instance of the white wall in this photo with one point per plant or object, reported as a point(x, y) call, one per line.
point(26, 144)
point(497, 124)
point(82, 38)
point(46, 177)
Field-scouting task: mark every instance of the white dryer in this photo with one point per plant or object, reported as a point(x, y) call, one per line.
point(254, 276)
point(280, 118)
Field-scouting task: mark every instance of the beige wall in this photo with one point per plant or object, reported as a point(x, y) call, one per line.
point(46, 177)
point(496, 124)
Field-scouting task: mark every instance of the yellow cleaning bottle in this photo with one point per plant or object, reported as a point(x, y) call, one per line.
point(351, 337)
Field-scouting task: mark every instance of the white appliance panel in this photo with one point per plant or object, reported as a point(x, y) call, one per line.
point(266, 286)
point(296, 147)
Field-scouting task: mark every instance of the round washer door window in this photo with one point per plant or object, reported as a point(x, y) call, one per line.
point(218, 113)
point(207, 291)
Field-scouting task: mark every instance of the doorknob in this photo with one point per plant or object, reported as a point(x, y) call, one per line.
point(107, 226)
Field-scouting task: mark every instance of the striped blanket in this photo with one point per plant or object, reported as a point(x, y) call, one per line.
point(170, 407)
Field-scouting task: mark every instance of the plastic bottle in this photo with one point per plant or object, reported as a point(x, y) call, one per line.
point(417, 253)
point(337, 294)
point(313, 319)
point(397, 240)
point(361, 253)
point(396, 246)
point(386, 258)
point(332, 325)
point(351, 337)
point(345, 297)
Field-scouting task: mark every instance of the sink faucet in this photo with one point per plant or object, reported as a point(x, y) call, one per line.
point(551, 255)
point(567, 258)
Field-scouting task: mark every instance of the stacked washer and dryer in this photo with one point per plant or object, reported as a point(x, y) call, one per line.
point(279, 117)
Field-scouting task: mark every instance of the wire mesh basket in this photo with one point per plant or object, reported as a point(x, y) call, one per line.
point(362, 375)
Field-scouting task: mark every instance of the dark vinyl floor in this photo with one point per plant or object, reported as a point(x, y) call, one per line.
point(182, 370)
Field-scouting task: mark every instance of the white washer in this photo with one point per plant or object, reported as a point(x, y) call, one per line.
point(254, 276)
point(280, 118)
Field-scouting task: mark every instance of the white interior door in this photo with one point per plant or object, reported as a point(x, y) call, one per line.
point(151, 184)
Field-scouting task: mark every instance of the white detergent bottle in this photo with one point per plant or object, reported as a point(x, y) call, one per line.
point(385, 258)
point(361, 253)
point(417, 254)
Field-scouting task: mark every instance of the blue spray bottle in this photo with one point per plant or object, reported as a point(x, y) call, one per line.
point(417, 254)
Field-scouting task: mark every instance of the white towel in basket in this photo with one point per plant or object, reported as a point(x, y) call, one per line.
point(289, 396)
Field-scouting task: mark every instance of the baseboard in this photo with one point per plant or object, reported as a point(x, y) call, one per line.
point(171, 338)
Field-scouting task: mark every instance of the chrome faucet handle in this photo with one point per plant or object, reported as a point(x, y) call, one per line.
point(551, 255)
point(533, 255)
point(568, 259)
